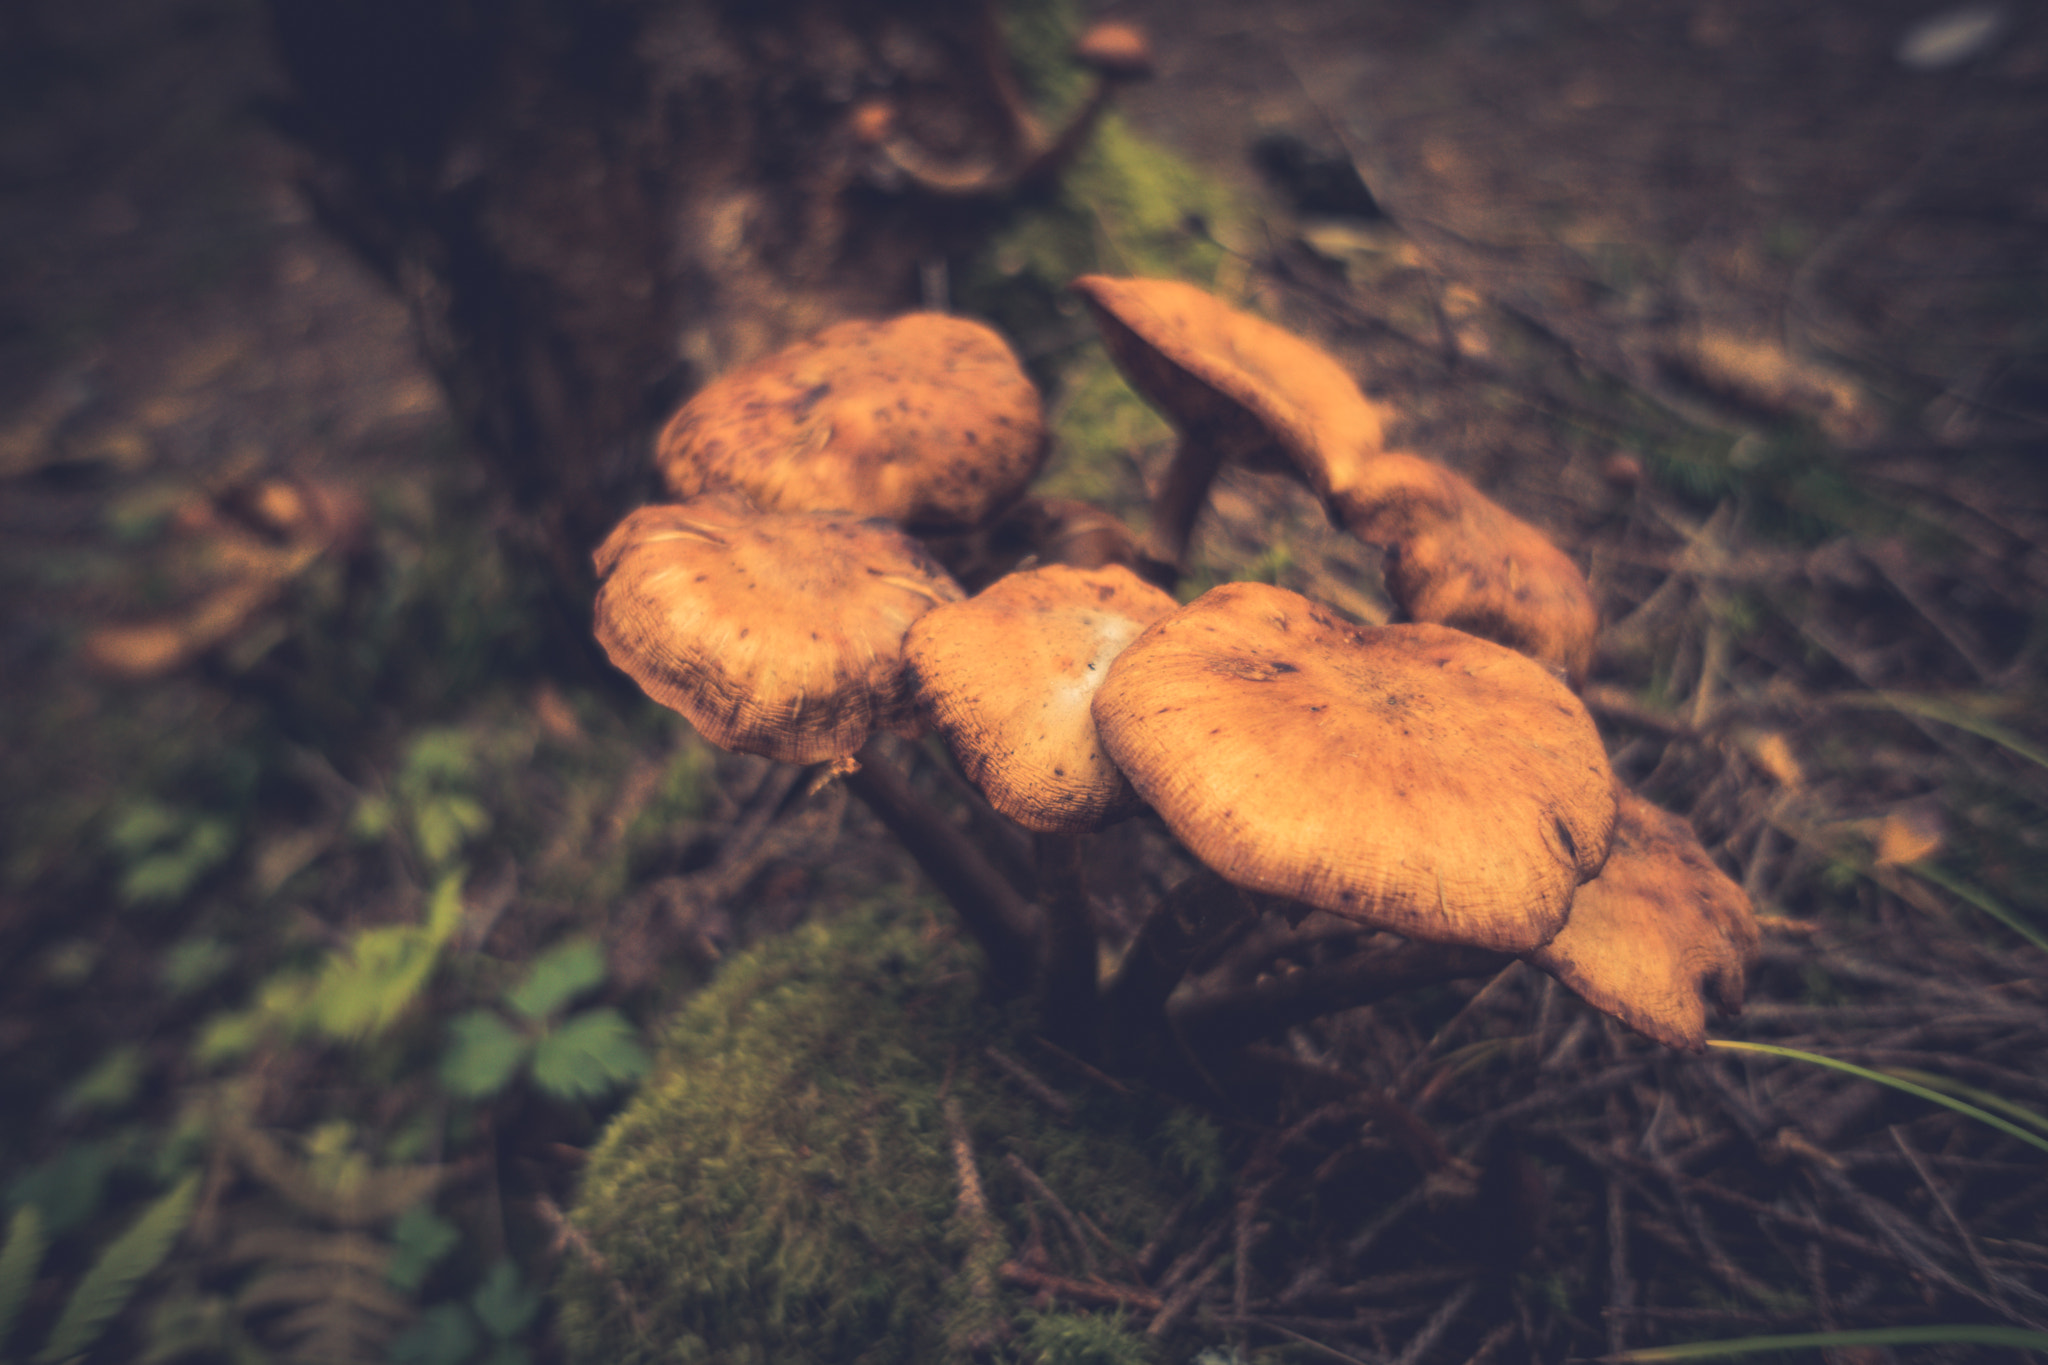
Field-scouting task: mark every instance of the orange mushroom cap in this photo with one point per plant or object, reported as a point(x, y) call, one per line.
point(926, 419)
point(1007, 677)
point(1459, 558)
point(1659, 933)
point(1260, 394)
point(1268, 397)
point(1410, 777)
point(774, 633)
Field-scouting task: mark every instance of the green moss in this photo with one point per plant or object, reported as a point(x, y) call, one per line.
point(1126, 206)
point(785, 1190)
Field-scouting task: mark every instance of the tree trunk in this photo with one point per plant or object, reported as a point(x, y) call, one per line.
point(593, 205)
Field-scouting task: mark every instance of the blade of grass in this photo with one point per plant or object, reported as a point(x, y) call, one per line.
point(1947, 1086)
point(1971, 1334)
point(1947, 713)
point(1983, 900)
point(1895, 1082)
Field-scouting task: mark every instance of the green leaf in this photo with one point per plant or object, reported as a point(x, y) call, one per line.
point(1895, 1082)
point(109, 1085)
point(559, 976)
point(66, 1189)
point(502, 1304)
point(443, 823)
point(168, 875)
point(442, 1336)
point(111, 1281)
point(419, 1239)
point(1958, 1334)
point(483, 1054)
point(362, 989)
point(19, 1260)
point(193, 964)
point(139, 826)
point(592, 1054)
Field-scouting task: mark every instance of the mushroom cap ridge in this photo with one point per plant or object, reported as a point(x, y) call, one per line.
point(778, 634)
point(1008, 675)
point(1409, 777)
point(926, 419)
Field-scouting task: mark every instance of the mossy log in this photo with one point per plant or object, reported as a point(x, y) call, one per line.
point(788, 1186)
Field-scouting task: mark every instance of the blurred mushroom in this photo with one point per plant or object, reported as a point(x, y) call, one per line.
point(1659, 933)
point(1118, 53)
point(254, 540)
point(1007, 677)
point(1409, 777)
point(926, 419)
point(778, 634)
point(1239, 388)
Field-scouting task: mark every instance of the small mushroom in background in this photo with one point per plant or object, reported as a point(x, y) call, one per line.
point(774, 633)
point(1008, 677)
point(1029, 157)
point(926, 419)
point(1659, 933)
point(1238, 388)
point(1408, 777)
point(254, 539)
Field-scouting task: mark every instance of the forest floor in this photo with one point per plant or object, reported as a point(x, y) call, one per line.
point(1745, 303)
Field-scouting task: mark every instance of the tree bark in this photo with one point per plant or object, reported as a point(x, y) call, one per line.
point(591, 206)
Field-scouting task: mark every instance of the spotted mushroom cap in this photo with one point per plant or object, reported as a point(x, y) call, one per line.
point(778, 634)
point(1007, 677)
point(1659, 933)
point(1409, 777)
point(925, 419)
point(1267, 396)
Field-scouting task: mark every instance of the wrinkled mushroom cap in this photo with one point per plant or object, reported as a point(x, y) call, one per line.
point(1659, 933)
point(775, 633)
point(1460, 559)
point(1007, 677)
point(1264, 394)
point(1409, 777)
point(925, 419)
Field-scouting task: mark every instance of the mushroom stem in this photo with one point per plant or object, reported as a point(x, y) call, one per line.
point(1186, 923)
point(1179, 502)
point(1003, 922)
point(1067, 986)
point(1221, 1020)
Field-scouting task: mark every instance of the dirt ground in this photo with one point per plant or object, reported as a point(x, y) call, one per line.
point(1746, 303)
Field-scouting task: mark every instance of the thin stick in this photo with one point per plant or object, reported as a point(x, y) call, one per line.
point(1031, 1083)
point(1084, 1291)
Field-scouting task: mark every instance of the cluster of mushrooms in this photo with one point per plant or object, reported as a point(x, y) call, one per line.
point(1438, 780)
